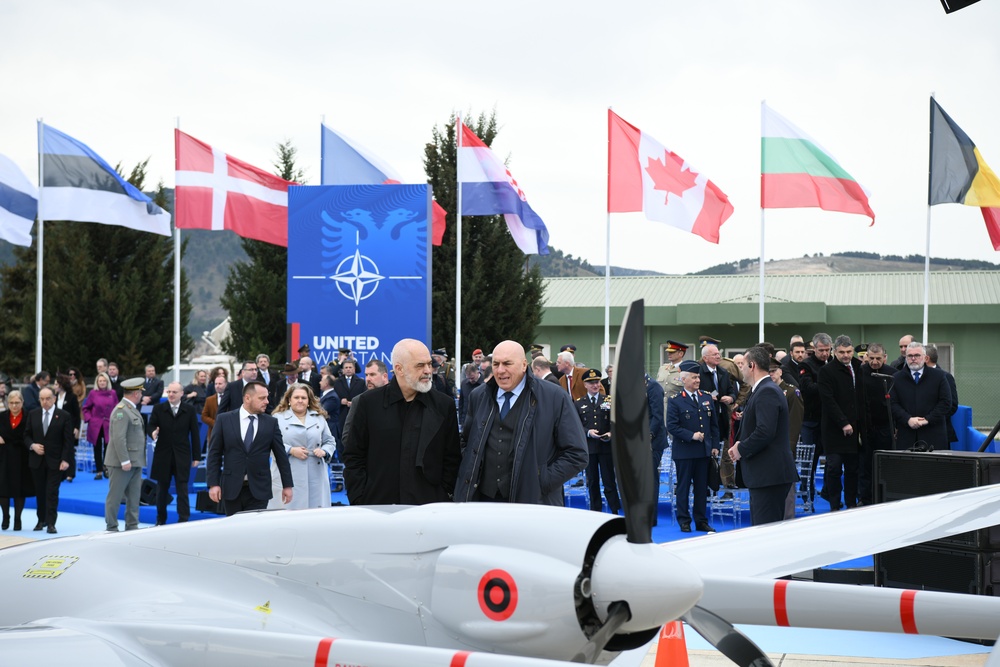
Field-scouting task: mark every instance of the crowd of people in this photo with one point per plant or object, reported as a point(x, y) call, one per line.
point(514, 435)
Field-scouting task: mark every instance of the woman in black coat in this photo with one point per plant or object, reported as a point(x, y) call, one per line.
point(15, 478)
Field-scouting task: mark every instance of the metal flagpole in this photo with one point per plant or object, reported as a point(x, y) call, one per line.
point(458, 246)
point(177, 284)
point(760, 298)
point(606, 352)
point(927, 251)
point(40, 241)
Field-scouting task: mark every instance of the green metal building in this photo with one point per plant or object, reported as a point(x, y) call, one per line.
point(964, 317)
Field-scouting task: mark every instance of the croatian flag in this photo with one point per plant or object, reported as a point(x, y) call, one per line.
point(77, 184)
point(489, 189)
point(346, 162)
point(217, 191)
point(18, 203)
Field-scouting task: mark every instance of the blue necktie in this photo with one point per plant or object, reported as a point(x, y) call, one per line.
point(505, 408)
point(248, 438)
point(916, 377)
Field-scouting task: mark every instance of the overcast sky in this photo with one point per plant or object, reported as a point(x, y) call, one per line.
point(242, 76)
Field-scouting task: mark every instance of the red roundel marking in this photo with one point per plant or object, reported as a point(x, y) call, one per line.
point(907, 604)
point(497, 595)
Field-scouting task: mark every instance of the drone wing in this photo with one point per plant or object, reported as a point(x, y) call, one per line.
point(787, 547)
point(50, 641)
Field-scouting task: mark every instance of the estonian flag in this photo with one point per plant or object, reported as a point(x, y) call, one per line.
point(18, 203)
point(78, 185)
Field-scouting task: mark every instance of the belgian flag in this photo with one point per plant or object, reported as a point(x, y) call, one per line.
point(958, 174)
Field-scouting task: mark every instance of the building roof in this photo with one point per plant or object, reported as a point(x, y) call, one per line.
point(954, 288)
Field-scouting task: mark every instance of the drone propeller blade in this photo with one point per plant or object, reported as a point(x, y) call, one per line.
point(618, 614)
point(630, 428)
point(725, 638)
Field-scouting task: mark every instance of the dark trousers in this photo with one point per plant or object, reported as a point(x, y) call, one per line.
point(601, 468)
point(879, 437)
point(163, 495)
point(836, 465)
point(767, 503)
point(244, 502)
point(47, 493)
point(692, 471)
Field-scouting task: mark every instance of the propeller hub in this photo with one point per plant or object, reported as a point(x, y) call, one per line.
point(658, 586)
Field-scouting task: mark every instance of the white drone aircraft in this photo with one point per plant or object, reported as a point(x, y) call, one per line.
point(467, 584)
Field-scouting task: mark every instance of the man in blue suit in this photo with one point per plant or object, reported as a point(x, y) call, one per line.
point(239, 454)
point(762, 450)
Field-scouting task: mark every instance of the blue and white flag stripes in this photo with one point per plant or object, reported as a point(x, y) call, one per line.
point(489, 189)
point(78, 185)
point(346, 162)
point(18, 203)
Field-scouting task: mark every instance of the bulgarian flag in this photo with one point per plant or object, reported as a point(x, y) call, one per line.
point(645, 176)
point(796, 172)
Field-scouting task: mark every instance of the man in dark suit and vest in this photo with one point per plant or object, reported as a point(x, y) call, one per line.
point(762, 450)
point(52, 451)
point(239, 454)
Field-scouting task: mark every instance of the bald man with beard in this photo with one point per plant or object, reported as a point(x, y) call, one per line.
point(402, 447)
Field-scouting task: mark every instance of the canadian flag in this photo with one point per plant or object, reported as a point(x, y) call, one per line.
point(645, 176)
point(217, 191)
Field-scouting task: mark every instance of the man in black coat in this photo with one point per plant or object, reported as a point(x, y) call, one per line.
point(348, 386)
point(843, 422)
point(239, 453)
point(880, 425)
point(233, 398)
point(811, 433)
point(152, 387)
point(51, 452)
point(899, 363)
point(717, 382)
point(762, 450)
point(330, 402)
point(174, 426)
point(403, 445)
point(921, 402)
point(932, 361)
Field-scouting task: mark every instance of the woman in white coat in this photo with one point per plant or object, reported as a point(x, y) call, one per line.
point(309, 445)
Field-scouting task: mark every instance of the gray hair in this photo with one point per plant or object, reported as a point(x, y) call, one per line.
point(876, 348)
point(822, 339)
point(932, 353)
point(567, 356)
point(914, 345)
point(843, 341)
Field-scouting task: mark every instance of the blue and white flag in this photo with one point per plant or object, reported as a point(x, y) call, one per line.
point(18, 203)
point(489, 189)
point(78, 185)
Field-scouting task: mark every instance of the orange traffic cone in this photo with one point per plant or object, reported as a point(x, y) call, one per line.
point(671, 649)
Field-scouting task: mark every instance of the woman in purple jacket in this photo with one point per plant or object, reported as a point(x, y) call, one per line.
point(97, 414)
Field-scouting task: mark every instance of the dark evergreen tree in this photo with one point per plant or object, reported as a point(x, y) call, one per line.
point(256, 294)
point(108, 292)
point(501, 296)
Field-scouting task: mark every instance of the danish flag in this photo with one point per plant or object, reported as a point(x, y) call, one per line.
point(218, 191)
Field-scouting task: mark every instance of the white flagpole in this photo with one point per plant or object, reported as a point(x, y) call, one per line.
point(927, 250)
point(458, 247)
point(760, 299)
point(40, 241)
point(177, 286)
point(606, 352)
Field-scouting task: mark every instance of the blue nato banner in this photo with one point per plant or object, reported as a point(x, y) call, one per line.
point(358, 269)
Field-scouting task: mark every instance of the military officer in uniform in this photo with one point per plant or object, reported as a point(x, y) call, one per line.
point(669, 373)
point(595, 413)
point(692, 421)
point(125, 457)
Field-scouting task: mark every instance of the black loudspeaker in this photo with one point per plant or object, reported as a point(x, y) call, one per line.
point(932, 568)
point(900, 475)
point(147, 496)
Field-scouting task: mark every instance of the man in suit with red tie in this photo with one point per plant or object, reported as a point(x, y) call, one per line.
point(572, 377)
point(239, 454)
point(52, 451)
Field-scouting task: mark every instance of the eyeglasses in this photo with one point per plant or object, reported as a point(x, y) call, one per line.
point(914, 356)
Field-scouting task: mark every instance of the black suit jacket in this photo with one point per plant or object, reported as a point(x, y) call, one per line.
point(313, 381)
point(154, 389)
point(331, 403)
point(765, 457)
point(726, 387)
point(843, 401)
point(350, 391)
point(58, 441)
point(116, 384)
point(232, 398)
point(179, 441)
point(930, 399)
point(229, 462)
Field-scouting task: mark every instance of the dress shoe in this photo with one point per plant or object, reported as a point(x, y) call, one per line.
point(39, 526)
point(51, 530)
point(17, 524)
point(6, 522)
point(685, 527)
point(704, 527)
point(98, 476)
